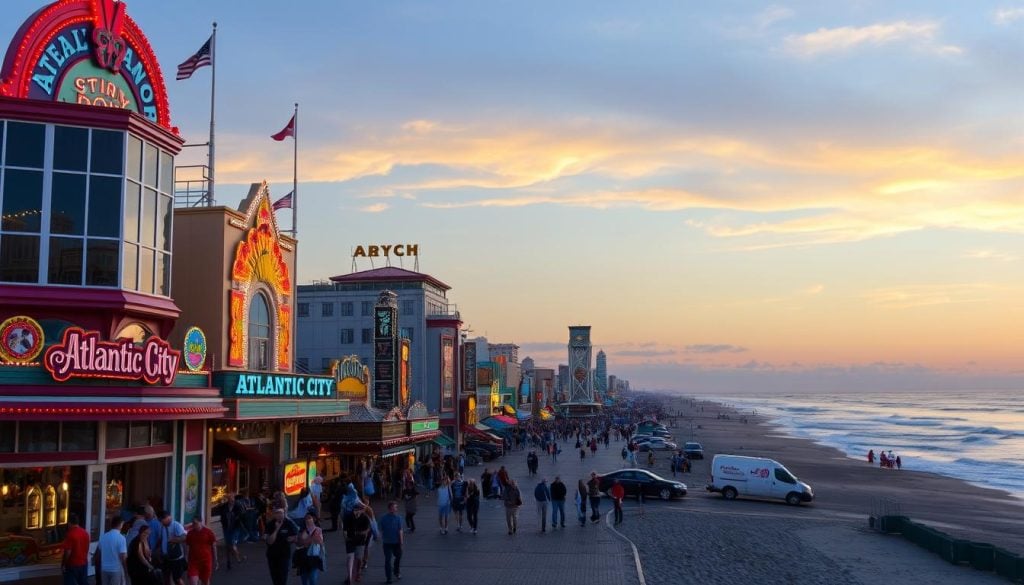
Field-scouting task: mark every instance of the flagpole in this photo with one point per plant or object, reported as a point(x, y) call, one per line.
point(213, 102)
point(295, 173)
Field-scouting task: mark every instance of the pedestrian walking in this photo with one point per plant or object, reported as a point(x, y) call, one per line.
point(202, 553)
point(311, 542)
point(74, 563)
point(558, 492)
point(532, 462)
point(444, 504)
point(542, 493)
point(594, 495)
point(472, 505)
point(356, 526)
point(140, 559)
point(618, 493)
point(459, 495)
point(583, 454)
point(409, 496)
point(281, 533)
point(113, 550)
point(513, 499)
point(171, 545)
point(581, 503)
point(392, 538)
point(373, 534)
point(231, 512)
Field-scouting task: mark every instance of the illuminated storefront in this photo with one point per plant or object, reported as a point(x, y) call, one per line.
point(101, 408)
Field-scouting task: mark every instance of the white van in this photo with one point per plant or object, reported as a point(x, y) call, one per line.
point(758, 477)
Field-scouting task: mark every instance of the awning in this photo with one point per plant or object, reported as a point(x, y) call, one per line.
point(524, 415)
point(495, 423)
point(393, 451)
point(506, 419)
point(508, 409)
point(229, 449)
point(546, 415)
point(471, 430)
point(444, 440)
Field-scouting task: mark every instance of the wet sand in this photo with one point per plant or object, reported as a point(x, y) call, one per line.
point(845, 487)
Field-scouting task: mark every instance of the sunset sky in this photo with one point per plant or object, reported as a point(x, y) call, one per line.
point(736, 196)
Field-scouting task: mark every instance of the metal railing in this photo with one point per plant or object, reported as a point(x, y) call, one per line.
point(192, 186)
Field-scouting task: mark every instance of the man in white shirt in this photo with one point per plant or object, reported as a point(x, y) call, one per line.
point(113, 554)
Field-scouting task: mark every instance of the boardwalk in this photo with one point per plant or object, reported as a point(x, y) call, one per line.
point(569, 556)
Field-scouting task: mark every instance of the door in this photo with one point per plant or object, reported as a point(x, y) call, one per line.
point(95, 505)
point(783, 482)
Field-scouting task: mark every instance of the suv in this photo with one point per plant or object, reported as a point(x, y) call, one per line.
point(693, 451)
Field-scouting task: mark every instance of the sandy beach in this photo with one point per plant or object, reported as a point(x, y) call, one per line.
point(827, 541)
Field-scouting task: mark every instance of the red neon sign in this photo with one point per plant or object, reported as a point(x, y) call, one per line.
point(81, 354)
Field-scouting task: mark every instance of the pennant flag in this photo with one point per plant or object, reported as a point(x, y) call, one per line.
point(202, 58)
point(289, 130)
point(284, 202)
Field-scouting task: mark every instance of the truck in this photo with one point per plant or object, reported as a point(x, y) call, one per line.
point(756, 477)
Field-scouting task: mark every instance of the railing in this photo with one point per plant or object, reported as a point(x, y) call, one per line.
point(192, 186)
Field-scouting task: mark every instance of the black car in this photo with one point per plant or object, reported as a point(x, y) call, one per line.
point(634, 480)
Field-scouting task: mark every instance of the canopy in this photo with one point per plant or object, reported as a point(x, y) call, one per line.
point(228, 449)
point(499, 422)
point(546, 415)
point(508, 409)
point(480, 434)
point(506, 419)
point(523, 415)
point(444, 440)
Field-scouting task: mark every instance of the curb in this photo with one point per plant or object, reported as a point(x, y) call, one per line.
point(636, 553)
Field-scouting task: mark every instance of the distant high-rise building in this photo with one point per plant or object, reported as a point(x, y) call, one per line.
point(601, 375)
point(509, 350)
point(528, 366)
point(562, 383)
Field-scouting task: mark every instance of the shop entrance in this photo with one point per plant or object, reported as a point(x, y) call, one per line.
point(133, 484)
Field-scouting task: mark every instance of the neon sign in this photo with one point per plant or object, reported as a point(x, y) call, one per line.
point(86, 52)
point(81, 354)
point(294, 478)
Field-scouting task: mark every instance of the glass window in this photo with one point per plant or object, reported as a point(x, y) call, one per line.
point(366, 308)
point(1, 140)
point(135, 158)
point(28, 140)
point(163, 274)
point(67, 204)
point(367, 335)
point(146, 258)
point(163, 223)
point(65, 261)
point(325, 363)
point(346, 309)
point(7, 429)
point(107, 152)
point(132, 200)
point(166, 172)
point(148, 231)
point(408, 308)
point(117, 435)
point(140, 434)
point(105, 206)
point(259, 333)
point(347, 336)
point(302, 363)
point(130, 274)
point(149, 163)
point(406, 333)
point(78, 436)
point(303, 309)
point(327, 309)
point(19, 258)
point(70, 148)
point(37, 437)
point(784, 476)
point(23, 200)
point(162, 432)
point(101, 262)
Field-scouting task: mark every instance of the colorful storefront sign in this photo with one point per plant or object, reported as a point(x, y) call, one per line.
point(81, 354)
point(191, 486)
point(195, 349)
point(295, 478)
point(86, 52)
point(424, 426)
point(261, 385)
point(21, 340)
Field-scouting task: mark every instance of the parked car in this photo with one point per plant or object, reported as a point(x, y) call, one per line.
point(662, 433)
point(759, 477)
point(641, 438)
point(658, 444)
point(476, 452)
point(493, 450)
point(636, 480)
point(693, 451)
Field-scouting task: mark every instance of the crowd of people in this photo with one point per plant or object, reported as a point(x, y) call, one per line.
point(886, 460)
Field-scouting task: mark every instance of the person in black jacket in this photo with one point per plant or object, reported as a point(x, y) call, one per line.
point(558, 492)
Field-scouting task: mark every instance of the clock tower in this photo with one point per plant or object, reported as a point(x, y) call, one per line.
point(581, 381)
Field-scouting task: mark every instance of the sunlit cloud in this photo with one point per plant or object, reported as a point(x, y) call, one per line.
point(375, 208)
point(990, 255)
point(835, 40)
point(814, 289)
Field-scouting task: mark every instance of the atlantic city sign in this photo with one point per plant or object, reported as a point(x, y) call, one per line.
point(269, 385)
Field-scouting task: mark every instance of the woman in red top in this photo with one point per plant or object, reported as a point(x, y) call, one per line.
point(202, 553)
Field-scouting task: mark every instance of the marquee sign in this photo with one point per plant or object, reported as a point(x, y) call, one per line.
point(386, 250)
point(86, 52)
point(270, 385)
point(81, 354)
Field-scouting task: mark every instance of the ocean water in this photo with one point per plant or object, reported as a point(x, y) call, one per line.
point(974, 436)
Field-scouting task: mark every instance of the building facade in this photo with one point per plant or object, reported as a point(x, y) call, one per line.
point(601, 375)
point(581, 400)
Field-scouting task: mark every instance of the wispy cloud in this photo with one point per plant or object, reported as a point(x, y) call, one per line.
point(714, 348)
point(923, 295)
point(835, 40)
point(990, 255)
point(375, 208)
point(814, 289)
point(1005, 16)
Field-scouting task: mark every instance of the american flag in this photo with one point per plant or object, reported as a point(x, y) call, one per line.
point(284, 202)
point(202, 58)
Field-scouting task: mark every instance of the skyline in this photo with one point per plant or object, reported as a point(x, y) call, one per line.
point(796, 196)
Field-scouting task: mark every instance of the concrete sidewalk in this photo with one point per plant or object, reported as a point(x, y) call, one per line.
point(568, 556)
